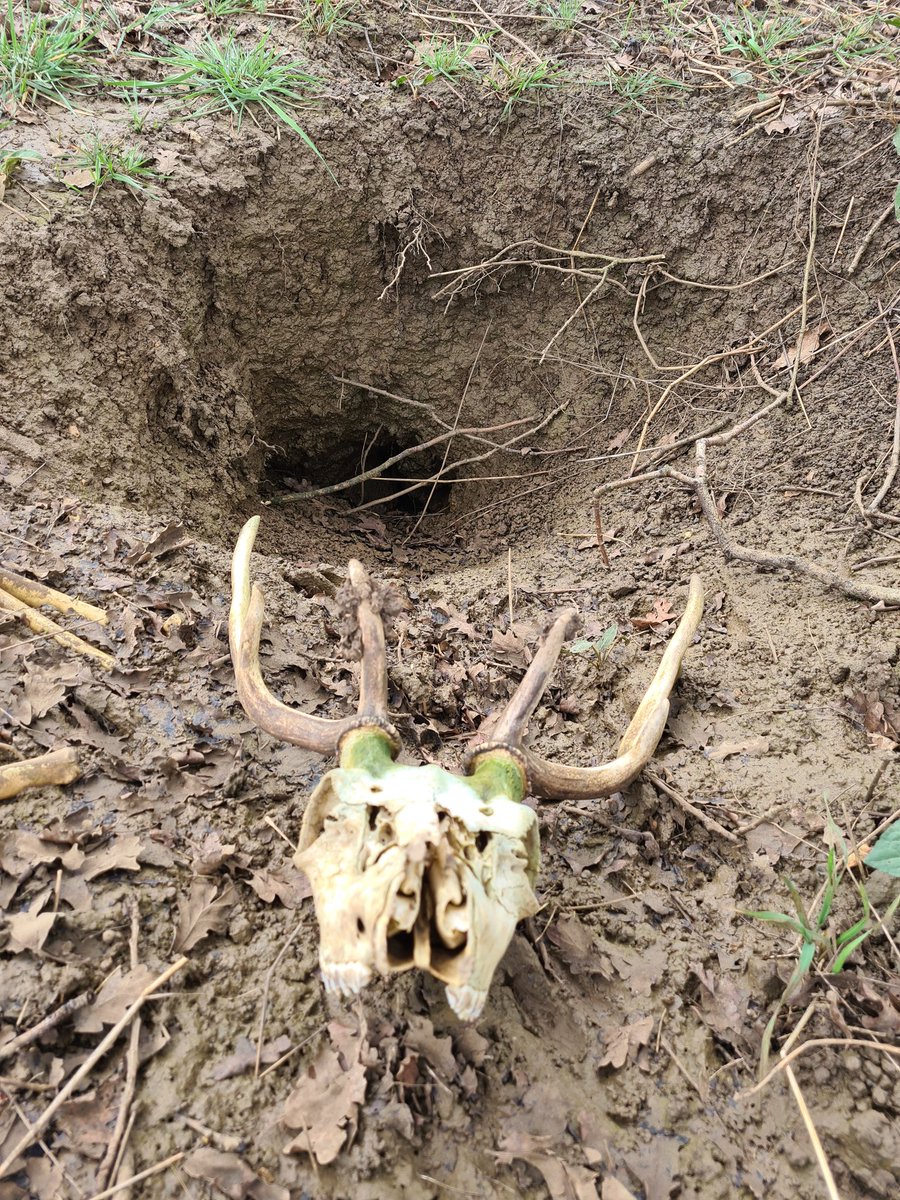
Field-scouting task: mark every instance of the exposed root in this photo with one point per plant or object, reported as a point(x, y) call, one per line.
point(871, 593)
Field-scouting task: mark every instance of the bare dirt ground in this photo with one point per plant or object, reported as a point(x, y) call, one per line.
point(666, 236)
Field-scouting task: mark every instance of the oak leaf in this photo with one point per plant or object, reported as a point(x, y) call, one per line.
point(204, 912)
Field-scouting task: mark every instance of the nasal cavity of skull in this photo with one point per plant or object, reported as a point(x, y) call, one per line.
point(322, 453)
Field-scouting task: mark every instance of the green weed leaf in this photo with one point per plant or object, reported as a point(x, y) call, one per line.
point(885, 854)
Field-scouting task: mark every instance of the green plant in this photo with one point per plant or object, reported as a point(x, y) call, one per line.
point(217, 9)
point(561, 15)
point(885, 854)
point(227, 77)
point(109, 162)
point(42, 58)
point(766, 39)
point(817, 938)
point(598, 647)
point(10, 161)
point(448, 59)
point(635, 85)
point(324, 17)
point(515, 79)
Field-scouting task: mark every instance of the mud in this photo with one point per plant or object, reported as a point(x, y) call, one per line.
point(178, 362)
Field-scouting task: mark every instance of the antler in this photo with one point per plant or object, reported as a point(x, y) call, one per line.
point(641, 737)
point(244, 629)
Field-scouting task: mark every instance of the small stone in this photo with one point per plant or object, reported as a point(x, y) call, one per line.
point(624, 588)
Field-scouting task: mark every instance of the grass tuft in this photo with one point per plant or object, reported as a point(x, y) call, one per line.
point(228, 77)
point(322, 18)
point(42, 58)
point(108, 162)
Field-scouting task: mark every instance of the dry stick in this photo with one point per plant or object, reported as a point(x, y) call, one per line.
point(512, 37)
point(872, 508)
point(421, 404)
point(461, 405)
point(866, 242)
point(712, 825)
point(505, 447)
point(87, 1066)
point(374, 472)
point(23, 1117)
point(142, 1175)
point(813, 1135)
point(843, 231)
point(565, 325)
point(57, 767)
point(132, 1062)
point(809, 1045)
point(30, 592)
point(265, 997)
point(804, 310)
point(49, 1022)
point(598, 533)
point(38, 623)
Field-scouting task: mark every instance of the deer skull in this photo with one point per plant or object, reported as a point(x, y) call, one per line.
point(414, 866)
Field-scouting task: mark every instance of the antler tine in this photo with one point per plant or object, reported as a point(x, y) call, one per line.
point(373, 681)
point(244, 629)
point(511, 726)
point(559, 782)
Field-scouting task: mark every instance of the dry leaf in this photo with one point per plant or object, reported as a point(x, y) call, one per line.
point(244, 1057)
point(437, 1050)
point(619, 1042)
point(203, 913)
point(661, 614)
point(210, 855)
point(564, 1182)
point(325, 1103)
point(511, 646)
point(288, 883)
point(613, 1190)
point(230, 1175)
point(81, 178)
point(116, 996)
point(120, 855)
point(751, 745)
point(29, 930)
point(809, 344)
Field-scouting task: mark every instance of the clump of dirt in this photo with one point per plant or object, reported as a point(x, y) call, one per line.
point(509, 308)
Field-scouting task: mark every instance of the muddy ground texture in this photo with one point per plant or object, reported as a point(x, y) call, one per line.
point(172, 363)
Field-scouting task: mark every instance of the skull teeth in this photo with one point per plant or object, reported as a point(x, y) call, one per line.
point(466, 1002)
point(345, 979)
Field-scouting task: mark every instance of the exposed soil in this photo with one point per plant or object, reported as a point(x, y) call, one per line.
point(173, 363)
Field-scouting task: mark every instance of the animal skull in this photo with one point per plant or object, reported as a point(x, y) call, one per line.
point(411, 867)
point(414, 866)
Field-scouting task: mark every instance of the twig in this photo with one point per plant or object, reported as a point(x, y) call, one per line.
point(49, 1022)
point(374, 472)
point(265, 996)
point(857, 589)
point(141, 1175)
point(132, 1062)
point(871, 509)
point(712, 825)
point(598, 532)
point(866, 242)
point(57, 767)
point(460, 406)
point(810, 1045)
point(87, 1066)
point(812, 1134)
point(512, 37)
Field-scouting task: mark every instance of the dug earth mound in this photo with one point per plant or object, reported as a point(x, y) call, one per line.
point(532, 316)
